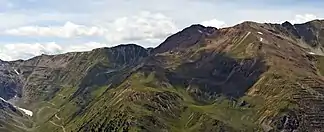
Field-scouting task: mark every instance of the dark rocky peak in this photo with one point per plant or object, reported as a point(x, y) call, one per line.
point(10, 83)
point(291, 28)
point(127, 46)
point(132, 49)
point(122, 48)
point(200, 29)
point(124, 53)
point(195, 26)
point(287, 24)
point(186, 38)
point(311, 32)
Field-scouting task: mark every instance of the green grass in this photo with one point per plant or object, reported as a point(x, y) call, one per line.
point(44, 114)
point(99, 91)
point(230, 114)
point(58, 105)
point(126, 104)
point(239, 49)
point(320, 64)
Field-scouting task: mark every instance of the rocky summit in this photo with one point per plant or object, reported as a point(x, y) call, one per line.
point(249, 77)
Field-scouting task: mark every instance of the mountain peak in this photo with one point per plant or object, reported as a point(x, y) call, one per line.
point(286, 23)
point(248, 23)
point(127, 45)
point(196, 26)
point(185, 38)
point(200, 28)
point(202, 66)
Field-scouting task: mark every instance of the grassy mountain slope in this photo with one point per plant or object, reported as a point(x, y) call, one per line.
point(250, 77)
point(227, 79)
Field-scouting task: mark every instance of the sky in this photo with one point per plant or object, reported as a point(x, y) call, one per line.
point(33, 27)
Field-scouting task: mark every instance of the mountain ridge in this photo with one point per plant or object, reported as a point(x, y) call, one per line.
point(193, 25)
point(249, 77)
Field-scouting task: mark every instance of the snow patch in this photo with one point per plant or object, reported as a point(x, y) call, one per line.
point(260, 33)
point(27, 112)
point(261, 39)
point(3, 100)
point(200, 31)
point(17, 72)
point(312, 53)
point(110, 71)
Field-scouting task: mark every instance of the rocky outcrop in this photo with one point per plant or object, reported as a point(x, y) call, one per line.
point(311, 32)
point(10, 81)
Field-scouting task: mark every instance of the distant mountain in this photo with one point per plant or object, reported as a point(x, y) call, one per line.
point(249, 77)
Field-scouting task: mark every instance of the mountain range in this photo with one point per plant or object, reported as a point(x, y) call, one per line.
point(249, 77)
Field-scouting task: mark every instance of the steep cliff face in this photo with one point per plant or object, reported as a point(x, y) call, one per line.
point(249, 77)
point(10, 83)
point(311, 33)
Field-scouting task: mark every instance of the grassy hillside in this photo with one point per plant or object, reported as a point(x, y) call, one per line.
point(250, 77)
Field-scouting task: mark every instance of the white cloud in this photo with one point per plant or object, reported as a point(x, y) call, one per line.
point(24, 51)
point(304, 18)
point(68, 30)
point(146, 26)
point(214, 23)
point(84, 47)
point(17, 51)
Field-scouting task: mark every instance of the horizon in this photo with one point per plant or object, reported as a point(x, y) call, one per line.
point(124, 44)
point(31, 28)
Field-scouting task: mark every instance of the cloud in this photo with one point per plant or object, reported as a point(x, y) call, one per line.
point(24, 51)
point(4, 4)
point(304, 18)
point(68, 30)
point(214, 23)
point(145, 28)
point(146, 25)
point(84, 47)
point(93, 21)
point(9, 52)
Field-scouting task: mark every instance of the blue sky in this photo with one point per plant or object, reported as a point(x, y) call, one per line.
point(32, 27)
